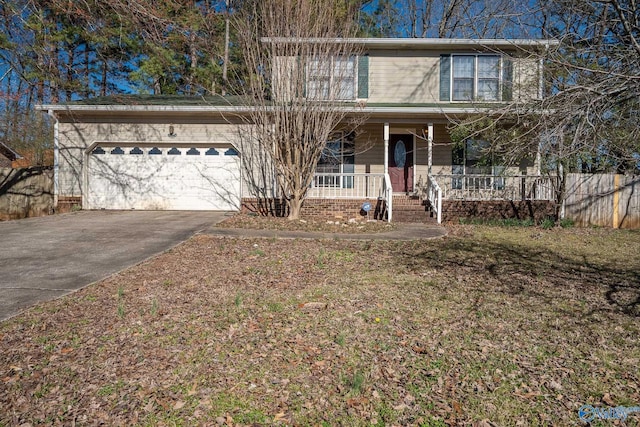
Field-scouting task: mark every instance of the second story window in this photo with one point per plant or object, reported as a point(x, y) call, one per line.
point(475, 78)
point(331, 78)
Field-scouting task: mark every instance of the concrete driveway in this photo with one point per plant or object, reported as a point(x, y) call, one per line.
point(45, 258)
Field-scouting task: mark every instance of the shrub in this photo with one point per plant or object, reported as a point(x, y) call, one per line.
point(547, 223)
point(567, 223)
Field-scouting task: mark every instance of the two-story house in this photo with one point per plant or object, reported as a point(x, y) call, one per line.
point(146, 152)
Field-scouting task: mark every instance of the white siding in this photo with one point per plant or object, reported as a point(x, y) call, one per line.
point(403, 77)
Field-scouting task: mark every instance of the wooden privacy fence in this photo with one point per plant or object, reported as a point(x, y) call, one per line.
point(26, 192)
point(607, 200)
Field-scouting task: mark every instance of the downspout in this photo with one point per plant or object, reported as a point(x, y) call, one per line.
point(56, 156)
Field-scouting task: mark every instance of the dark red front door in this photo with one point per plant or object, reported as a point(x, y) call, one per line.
point(401, 163)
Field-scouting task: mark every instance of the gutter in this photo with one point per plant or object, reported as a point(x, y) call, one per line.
point(423, 110)
point(143, 108)
point(51, 108)
point(419, 43)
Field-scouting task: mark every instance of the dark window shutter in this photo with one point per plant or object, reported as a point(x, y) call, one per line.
point(507, 79)
point(445, 78)
point(363, 76)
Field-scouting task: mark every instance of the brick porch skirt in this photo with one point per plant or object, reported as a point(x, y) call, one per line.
point(538, 210)
point(317, 208)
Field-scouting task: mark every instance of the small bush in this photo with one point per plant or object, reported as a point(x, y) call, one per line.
point(567, 223)
point(547, 223)
point(514, 222)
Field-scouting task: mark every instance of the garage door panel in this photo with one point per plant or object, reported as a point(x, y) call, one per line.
point(163, 181)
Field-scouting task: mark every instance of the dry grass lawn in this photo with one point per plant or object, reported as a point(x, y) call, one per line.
point(488, 326)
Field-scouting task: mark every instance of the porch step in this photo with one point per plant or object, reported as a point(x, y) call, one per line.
point(411, 209)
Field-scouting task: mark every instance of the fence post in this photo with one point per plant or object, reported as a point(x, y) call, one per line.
point(616, 200)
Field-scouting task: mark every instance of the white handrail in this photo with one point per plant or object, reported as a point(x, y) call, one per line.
point(434, 193)
point(388, 196)
point(491, 187)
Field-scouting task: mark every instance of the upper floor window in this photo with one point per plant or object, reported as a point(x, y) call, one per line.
point(475, 78)
point(332, 78)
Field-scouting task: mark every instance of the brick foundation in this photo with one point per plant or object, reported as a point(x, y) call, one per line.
point(538, 210)
point(68, 204)
point(317, 208)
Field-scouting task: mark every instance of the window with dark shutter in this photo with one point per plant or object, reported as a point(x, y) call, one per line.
point(363, 77)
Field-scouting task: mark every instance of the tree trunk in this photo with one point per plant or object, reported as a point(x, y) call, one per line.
point(562, 189)
point(295, 206)
point(225, 62)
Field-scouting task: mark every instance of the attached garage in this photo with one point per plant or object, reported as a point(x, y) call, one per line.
point(148, 152)
point(162, 177)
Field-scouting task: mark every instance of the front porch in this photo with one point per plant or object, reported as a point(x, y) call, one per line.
point(451, 197)
point(417, 159)
point(444, 197)
point(409, 172)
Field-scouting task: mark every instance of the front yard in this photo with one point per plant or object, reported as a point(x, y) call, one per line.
point(488, 326)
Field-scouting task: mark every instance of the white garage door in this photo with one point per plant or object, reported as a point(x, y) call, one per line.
point(164, 178)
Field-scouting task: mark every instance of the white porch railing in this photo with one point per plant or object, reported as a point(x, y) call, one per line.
point(434, 195)
point(347, 186)
point(352, 186)
point(388, 196)
point(489, 187)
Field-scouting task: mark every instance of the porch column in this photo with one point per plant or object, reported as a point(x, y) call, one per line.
point(430, 146)
point(386, 148)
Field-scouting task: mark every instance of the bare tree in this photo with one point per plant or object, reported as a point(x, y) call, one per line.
point(458, 18)
point(302, 61)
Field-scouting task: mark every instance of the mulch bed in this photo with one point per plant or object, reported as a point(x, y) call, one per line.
point(352, 226)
